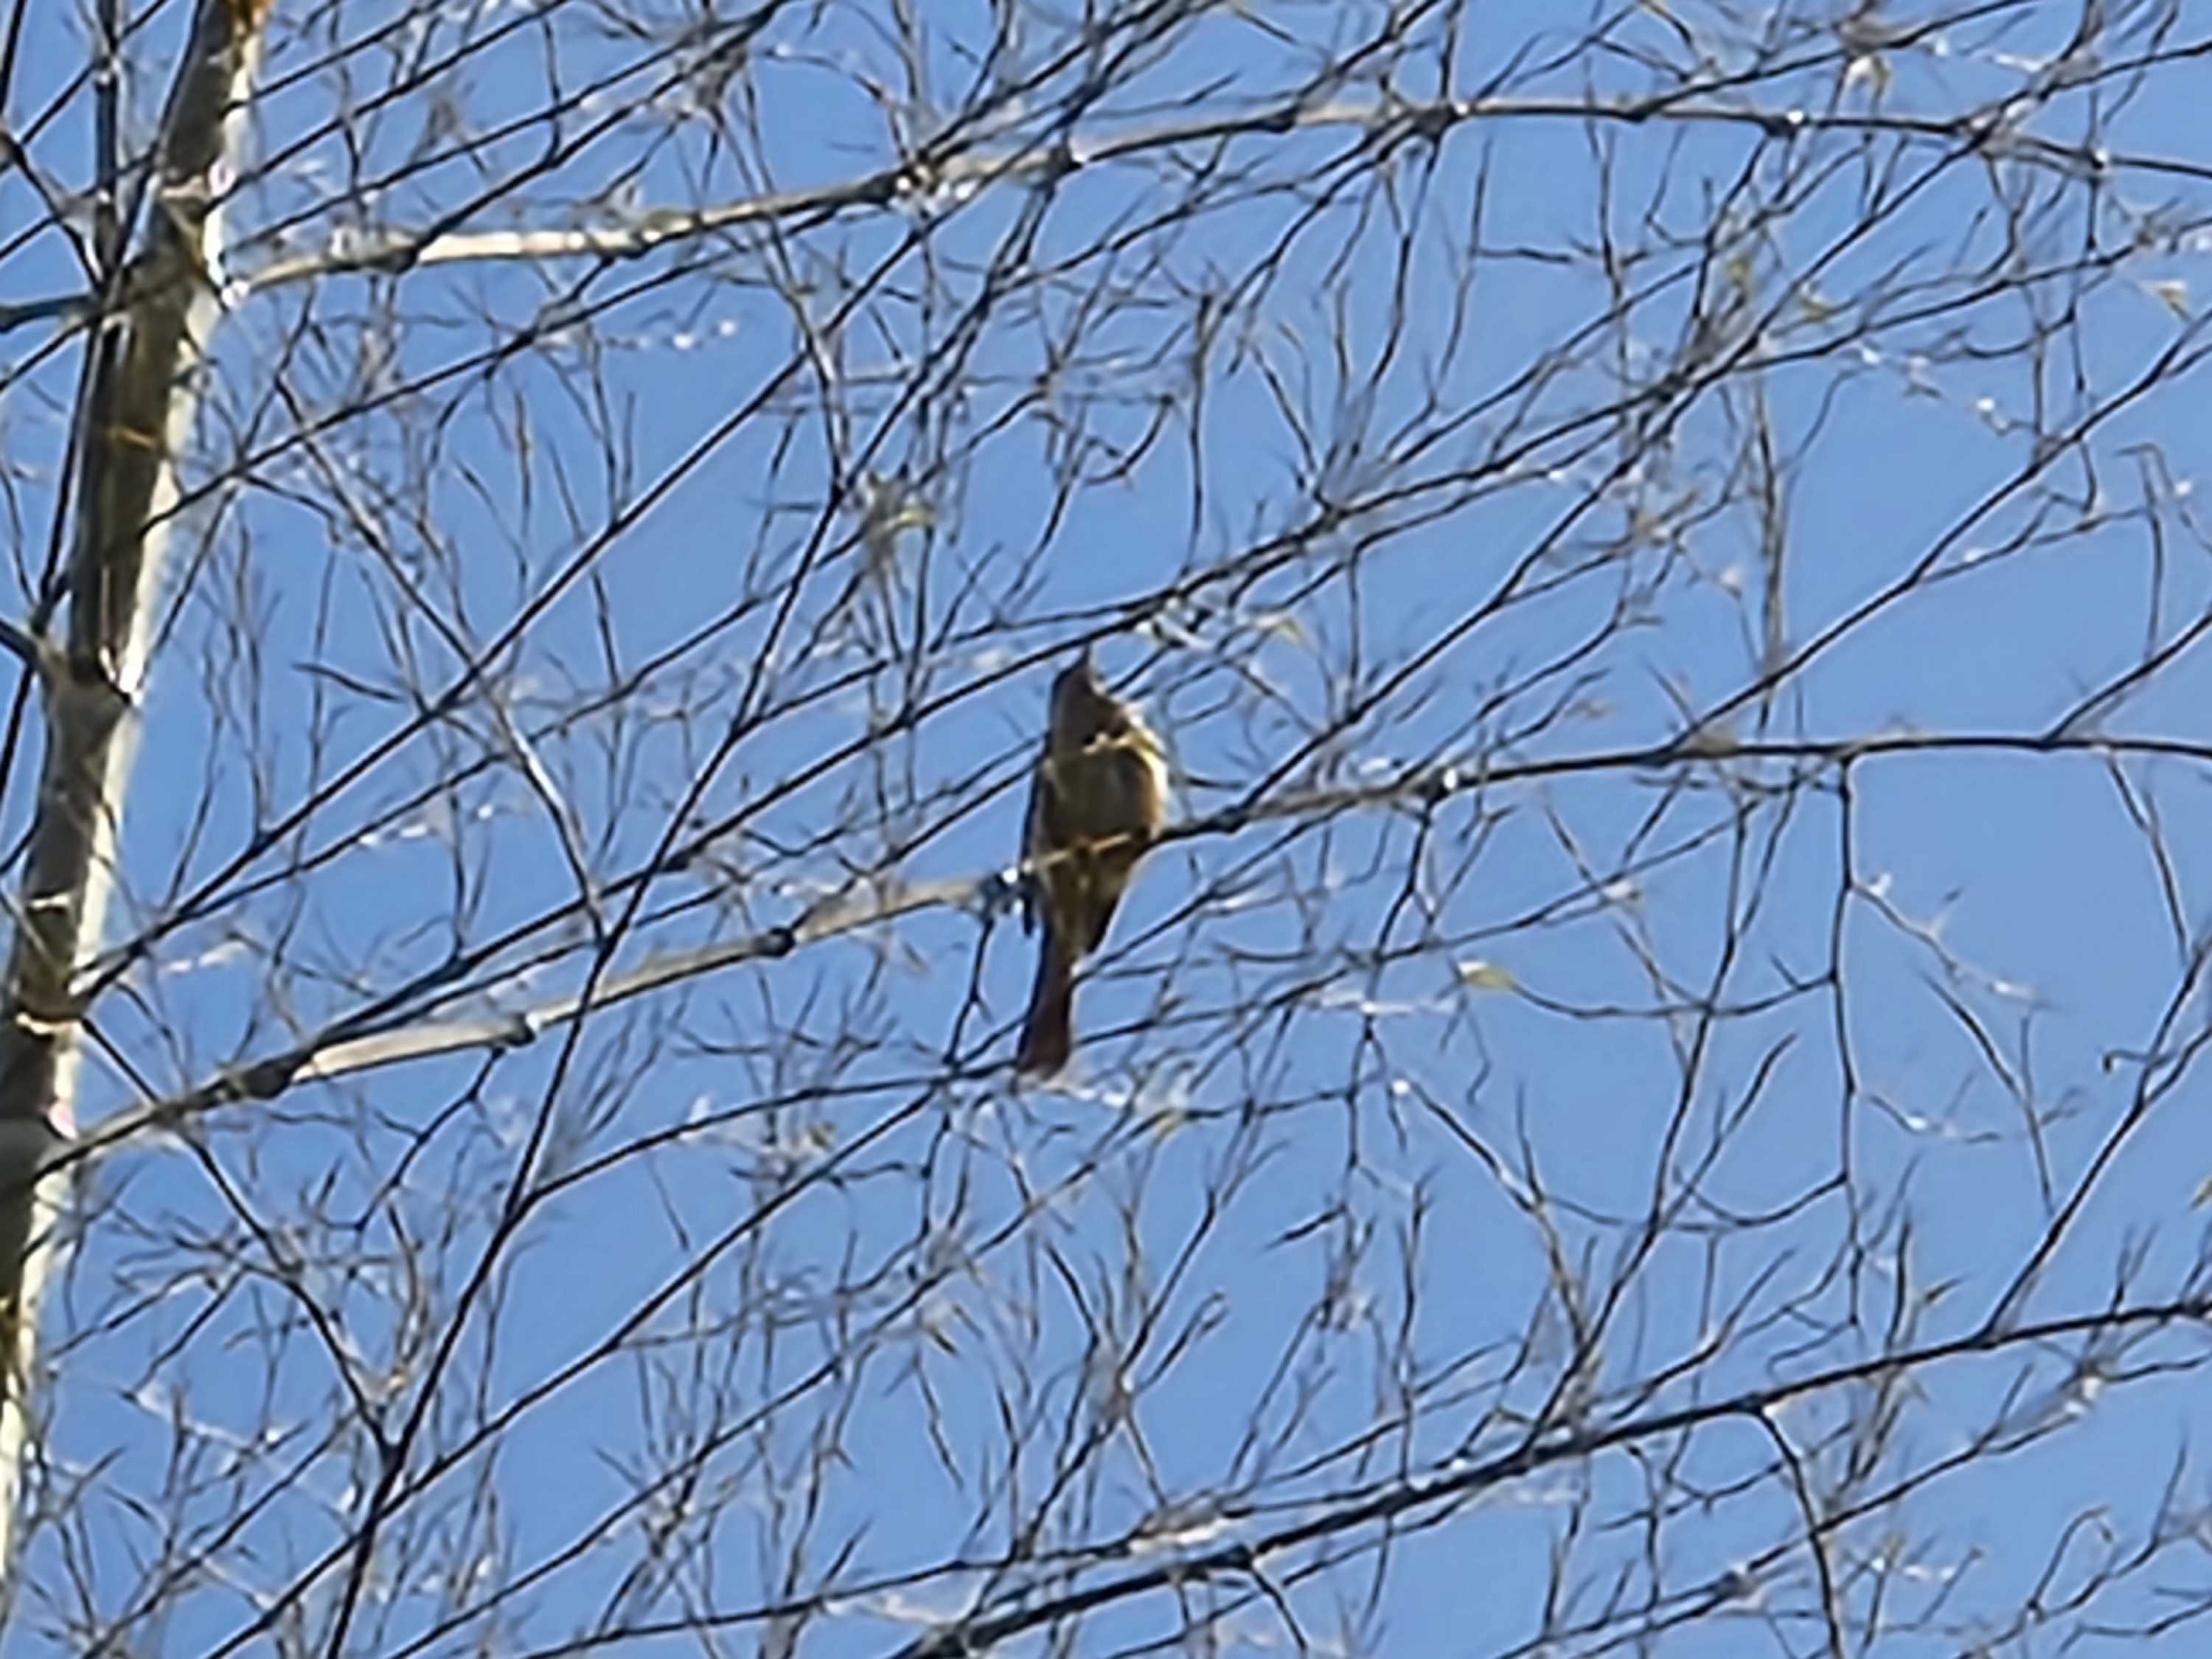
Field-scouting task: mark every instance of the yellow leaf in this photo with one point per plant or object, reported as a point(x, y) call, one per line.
point(1481, 975)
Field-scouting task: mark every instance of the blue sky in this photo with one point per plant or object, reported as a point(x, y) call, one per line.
point(1318, 1171)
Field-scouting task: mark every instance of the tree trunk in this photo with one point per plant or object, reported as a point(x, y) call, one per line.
point(148, 360)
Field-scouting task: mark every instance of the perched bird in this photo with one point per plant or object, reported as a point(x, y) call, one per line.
point(1099, 799)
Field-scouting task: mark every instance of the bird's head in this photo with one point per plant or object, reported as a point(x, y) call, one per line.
point(1081, 704)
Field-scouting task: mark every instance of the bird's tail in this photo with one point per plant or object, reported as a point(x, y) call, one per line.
point(1048, 1033)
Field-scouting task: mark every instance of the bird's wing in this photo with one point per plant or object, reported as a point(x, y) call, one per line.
point(1037, 839)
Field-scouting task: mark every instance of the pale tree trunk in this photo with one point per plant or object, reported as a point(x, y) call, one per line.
point(138, 414)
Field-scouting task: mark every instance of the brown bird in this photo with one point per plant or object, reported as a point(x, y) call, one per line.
point(1100, 797)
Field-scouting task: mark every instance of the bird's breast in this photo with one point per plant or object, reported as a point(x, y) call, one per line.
point(1114, 787)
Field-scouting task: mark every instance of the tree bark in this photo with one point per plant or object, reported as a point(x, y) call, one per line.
point(149, 358)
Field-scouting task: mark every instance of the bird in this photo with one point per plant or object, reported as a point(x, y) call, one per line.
point(1096, 806)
